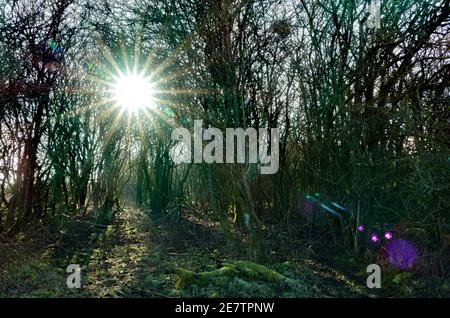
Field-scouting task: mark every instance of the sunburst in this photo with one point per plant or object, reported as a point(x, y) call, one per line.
point(134, 92)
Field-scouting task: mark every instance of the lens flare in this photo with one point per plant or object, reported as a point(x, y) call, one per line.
point(133, 92)
point(327, 208)
point(401, 254)
point(374, 238)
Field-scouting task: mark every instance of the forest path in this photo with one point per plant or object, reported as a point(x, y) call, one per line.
point(118, 256)
point(134, 258)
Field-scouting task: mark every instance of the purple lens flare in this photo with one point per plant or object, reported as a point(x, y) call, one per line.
point(401, 254)
point(374, 238)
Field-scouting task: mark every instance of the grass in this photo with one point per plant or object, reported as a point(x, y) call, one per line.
point(134, 258)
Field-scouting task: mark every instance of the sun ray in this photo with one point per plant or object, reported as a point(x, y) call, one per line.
point(133, 92)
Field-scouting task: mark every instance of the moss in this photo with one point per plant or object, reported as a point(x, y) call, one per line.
point(259, 272)
point(225, 275)
point(219, 277)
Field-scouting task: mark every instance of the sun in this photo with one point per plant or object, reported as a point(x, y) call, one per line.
point(133, 92)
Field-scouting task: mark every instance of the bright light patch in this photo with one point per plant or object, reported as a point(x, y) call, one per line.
point(133, 92)
point(374, 238)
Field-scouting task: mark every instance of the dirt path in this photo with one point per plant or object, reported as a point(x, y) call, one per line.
point(118, 256)
point(130, 258)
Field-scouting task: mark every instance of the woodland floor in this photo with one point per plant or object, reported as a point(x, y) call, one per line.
point(134, 258)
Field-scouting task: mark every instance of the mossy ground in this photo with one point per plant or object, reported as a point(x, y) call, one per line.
point(134, 258)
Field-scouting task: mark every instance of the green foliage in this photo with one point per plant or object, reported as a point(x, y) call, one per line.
point(362, 112)
point(223, 276)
